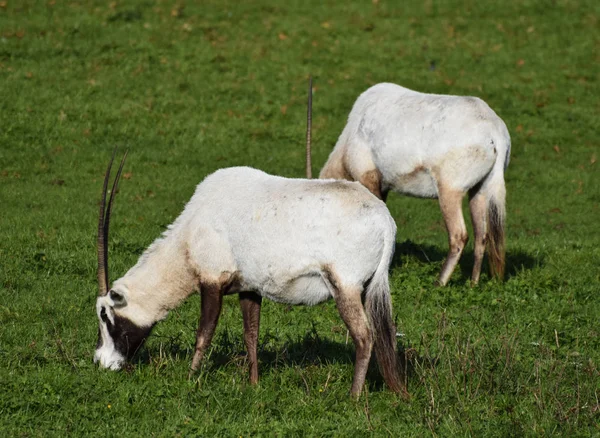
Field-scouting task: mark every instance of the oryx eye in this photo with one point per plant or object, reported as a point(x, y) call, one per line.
point(103, 315)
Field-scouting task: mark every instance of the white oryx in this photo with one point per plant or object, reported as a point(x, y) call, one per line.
point(431, 146)
point(293, 241)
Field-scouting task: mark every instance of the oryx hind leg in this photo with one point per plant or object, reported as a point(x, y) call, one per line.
point(451, 206)
point(478, 206)
point(349, 304)
point(210, 308)
point(250, 303)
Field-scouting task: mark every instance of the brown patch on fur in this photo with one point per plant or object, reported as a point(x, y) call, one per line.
point(372, 180)
point(414, 172)
point(408, 178)
point(189, 263)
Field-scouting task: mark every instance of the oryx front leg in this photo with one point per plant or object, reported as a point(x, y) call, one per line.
point(250, 303)
point(349, 304)
point(451, 206)
point(210, 309)
point(478, 207)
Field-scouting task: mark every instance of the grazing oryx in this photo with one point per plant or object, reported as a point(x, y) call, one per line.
point(291, 240)
point(431, 146)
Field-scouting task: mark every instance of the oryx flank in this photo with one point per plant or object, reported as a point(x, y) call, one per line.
point(431, 146)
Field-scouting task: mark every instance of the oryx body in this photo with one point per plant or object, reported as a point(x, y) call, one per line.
point(431, 146)
point(290, 240)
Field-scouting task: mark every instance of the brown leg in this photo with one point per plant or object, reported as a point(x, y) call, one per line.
point(478, 207)
point(451, 205)
point(250, 303)
point(372, 181)
point(351, 310)
point(210, 309)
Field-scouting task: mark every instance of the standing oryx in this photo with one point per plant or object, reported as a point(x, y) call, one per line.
point(291, 240)
point(431, 146)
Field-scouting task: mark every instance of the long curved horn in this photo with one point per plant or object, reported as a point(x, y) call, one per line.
point(102, 256)
point(309, 130)
point(103, 225)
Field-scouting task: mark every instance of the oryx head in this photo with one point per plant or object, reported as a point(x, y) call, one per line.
point(118, 336)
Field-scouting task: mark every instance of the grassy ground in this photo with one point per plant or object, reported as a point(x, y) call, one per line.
point(192, 87)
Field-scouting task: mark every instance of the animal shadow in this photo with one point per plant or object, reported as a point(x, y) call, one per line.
point(515, 261)
point(310, 350)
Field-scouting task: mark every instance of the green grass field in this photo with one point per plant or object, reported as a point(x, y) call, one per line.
point(190, 87)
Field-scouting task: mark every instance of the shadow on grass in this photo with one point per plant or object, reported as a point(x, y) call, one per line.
point(303, 353)
point(516, 261)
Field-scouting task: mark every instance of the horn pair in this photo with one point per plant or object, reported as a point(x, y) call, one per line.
point(103, 224)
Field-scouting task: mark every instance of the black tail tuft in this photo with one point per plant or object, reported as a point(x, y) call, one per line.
point(496, 251)
point(379, 310)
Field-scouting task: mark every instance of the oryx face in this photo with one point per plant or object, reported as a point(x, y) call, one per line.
point(118, 337)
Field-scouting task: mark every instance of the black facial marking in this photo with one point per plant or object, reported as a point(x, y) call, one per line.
point(104, 318)
point(103, 315)
point(99, 343)
point(127, 336)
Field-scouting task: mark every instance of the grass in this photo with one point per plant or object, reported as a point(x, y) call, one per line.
point(191, 88)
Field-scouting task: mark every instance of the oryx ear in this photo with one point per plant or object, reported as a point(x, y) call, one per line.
point(117, 298)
